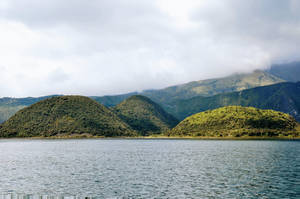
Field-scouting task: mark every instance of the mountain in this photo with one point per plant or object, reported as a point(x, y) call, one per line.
point(237, 121)
point(144, 115)
point(164, 97)
point(284, 97)
point(289, 72)
point(208, 87)
point(65, 115)
point(236, 82)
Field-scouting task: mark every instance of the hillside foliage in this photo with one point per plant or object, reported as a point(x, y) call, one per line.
point(144, 115)
point(65, 115)
point(236, 121)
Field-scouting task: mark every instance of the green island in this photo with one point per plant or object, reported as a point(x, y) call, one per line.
point(237, 121)
point(140, 117)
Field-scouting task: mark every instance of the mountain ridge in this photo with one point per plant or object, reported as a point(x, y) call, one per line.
point(166, 97)
point(284, 97)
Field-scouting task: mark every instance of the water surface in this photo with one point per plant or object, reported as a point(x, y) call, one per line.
point(104, 168)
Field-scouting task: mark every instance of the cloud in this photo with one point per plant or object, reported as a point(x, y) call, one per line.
point(102, 47)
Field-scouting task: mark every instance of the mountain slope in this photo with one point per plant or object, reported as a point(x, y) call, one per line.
point(144, 115)
point(211, 87)
point(65, 115)
point(284, 97)
point(164, 97)
point(289, 72)
point(237, 121)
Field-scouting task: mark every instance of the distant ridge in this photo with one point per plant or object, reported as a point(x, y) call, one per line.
point(284, 97)
point(9, 106)
point(65, 115)
point(166, 96)
point(289, 72)
point(144, 115)
point(112, 100)
point(210, 87)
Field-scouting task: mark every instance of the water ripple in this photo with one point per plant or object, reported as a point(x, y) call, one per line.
point(149, 169)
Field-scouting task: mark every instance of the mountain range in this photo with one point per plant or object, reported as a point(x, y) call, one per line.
point(186, 99)
point(284, 97)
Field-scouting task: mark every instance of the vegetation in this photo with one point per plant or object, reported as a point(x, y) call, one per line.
point(211, 87)
point(145, 116)
point(9, 106)
point(113, 100)
point(172, 99)
point(237, 121)
point(65, 115)
point(284, 97)
point(208, 87)
point(7, 111)
point(167, 96)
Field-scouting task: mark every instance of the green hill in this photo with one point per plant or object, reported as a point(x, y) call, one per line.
point(144, 115)
point(237, 121)
point(284, 97)
point(65, 115)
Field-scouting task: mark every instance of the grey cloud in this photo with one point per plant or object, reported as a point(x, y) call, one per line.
point(115, 46)
point(98, 16)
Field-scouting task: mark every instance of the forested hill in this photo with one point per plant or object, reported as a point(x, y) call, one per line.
point(237, 121)
point(65, 115)
point(144, 115)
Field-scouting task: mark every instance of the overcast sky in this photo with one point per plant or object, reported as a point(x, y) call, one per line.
point(100, 47)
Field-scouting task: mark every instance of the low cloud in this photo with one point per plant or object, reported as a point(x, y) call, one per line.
point(115, 46)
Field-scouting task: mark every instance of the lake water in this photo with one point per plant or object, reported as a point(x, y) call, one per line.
point(121, 168)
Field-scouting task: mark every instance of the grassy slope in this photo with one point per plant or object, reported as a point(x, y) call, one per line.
point(208, 87)
point(65, 115)
point(211, 87)
point(144, 115)
point(284, 97)
point(237, 121)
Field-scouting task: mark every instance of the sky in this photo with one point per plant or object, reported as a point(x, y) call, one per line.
point(106, 47)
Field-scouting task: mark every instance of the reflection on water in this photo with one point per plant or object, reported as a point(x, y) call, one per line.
point(150, 168)
point(31, 196)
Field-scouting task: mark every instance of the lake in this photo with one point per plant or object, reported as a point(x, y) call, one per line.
point(154, 168)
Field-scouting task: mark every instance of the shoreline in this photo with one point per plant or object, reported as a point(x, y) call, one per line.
point(152, 137)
